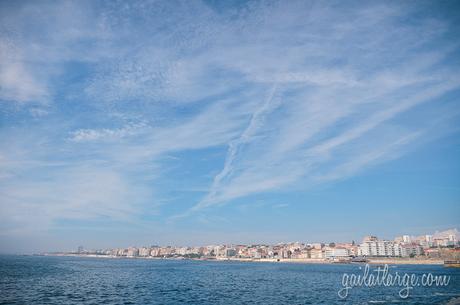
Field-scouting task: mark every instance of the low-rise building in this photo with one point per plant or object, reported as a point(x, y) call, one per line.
point(155, 252)
point(336, 252)
point(144, 252)
point(316, 253)
point(410, 250)
point(132, 252)
point(230, 252)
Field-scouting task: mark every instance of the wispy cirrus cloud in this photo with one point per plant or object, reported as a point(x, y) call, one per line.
point(361, 97)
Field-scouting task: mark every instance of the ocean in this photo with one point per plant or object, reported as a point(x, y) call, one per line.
point(78, 280)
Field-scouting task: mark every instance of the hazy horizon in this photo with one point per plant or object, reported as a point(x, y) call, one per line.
point(205, 122)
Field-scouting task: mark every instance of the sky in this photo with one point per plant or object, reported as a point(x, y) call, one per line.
point(132, 123)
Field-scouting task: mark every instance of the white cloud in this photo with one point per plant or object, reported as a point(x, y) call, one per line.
point(17, 83)
point(84, 135)
point(302, 138)
point(271, 162)
point(84, 192)
point(38, 40)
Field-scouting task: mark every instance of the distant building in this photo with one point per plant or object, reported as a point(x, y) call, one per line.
point(370, 238)
point(132, 252)
point(336, 252)
point(375, 247)
point(317, 246)
point(182, 251)
point(155, 252)
point(230, 252)
point(351, 248)
point(409, 250)
point(304, 253)
point(432, 253)
point(444, 242)
point(316, 254)
point(144, 252)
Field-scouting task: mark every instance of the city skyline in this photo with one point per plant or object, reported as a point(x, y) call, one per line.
point(433, 247)
point(205, 121)
point(450, 234)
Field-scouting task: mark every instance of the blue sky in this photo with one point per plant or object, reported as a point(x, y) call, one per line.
point(189, 122)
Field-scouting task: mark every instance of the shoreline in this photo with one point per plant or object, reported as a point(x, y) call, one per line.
point(371, 261)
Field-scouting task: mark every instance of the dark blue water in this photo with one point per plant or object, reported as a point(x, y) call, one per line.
point(68, 280)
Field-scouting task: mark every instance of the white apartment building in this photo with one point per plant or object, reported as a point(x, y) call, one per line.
point(379, 248)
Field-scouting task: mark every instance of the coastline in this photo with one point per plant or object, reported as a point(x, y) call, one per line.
point(372, 261)
point(405, 261)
